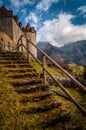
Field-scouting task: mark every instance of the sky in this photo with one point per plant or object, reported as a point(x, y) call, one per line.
point(56, 21)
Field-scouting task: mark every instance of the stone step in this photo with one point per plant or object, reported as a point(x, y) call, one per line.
point(40, 107)
point(14, 62)
point(18, 66)
point(52, 118)
point(36, 96)
point(25, 65)
point(12, 58)
point(20, 83)
point(20, 70)
point(11, 54)
point(32, 88)
point(23, 75)
point(9, 66)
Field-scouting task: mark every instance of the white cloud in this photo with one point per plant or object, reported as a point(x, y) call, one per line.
point(24, 11)
point(44, 5)
point(33, 19)
point(1, 2)
point(19, 3)
point(82, 10)
point(61, 31)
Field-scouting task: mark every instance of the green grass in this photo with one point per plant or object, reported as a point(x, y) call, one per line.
point(10, 117)
point(36, 66)
point(78, 70)
point(8, 104)
point(77, 119)
point(50, 69)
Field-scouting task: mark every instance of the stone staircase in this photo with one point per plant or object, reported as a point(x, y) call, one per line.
point(36, 99)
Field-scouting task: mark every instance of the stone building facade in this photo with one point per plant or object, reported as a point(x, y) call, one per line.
point(6, 43)
point(13, 28)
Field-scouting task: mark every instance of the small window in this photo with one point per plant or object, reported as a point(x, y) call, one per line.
point(2, 39)
point(9, 45)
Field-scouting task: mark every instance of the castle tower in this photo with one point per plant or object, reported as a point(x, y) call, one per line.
point(31, 36)
point(10, 25)
point(6, 21)
point(13, 28)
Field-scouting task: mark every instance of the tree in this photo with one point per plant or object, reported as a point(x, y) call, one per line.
point(84, 72)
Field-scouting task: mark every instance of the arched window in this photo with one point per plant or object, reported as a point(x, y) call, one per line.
point(1, 40)
point(8, 46)
point(1, 43)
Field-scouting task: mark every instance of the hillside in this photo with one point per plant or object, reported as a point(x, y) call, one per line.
point(12, 118)
point(75, 52)
point(69, 53)
point(52, 51)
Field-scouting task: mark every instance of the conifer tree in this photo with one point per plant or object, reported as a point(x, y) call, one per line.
point(84, 72)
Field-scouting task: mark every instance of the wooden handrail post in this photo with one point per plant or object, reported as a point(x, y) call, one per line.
point(28, 54)
point(21, 46)
point(57, 82)
point(81, 86)
point(8, 46)
point(44, 72)
point(4, 47)
point(17, 47)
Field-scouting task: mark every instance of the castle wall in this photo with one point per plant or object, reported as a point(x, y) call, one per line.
point(5, 42)
point(6, 25)
point(32, 37)
point(11, 26)
point(17, 32)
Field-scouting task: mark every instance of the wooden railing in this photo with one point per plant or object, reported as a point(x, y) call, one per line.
point(43, 64)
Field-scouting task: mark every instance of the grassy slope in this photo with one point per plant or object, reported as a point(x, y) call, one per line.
point(78, 120)
point(10, 116)
point(39, 68)
point(12, 119)
point(77, 70)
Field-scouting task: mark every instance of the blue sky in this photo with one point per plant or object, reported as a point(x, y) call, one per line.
point(56, 21)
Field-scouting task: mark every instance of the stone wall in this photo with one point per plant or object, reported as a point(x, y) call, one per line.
point(6, 25)
point(6, 43)
point(17, 31)
point(11, 26)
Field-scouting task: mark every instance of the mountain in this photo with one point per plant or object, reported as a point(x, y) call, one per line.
point(52, 51)
point(70, 53)
point(75, 52)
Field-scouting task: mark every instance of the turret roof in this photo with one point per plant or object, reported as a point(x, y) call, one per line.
point(5, 13)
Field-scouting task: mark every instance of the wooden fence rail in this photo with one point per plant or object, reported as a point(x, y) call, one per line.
point(81, 87)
